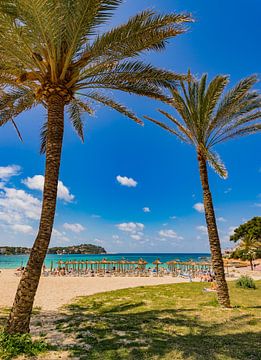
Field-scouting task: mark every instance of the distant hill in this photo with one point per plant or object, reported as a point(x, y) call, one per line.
point(11, 250)
point(74, 249)
point(78, 249)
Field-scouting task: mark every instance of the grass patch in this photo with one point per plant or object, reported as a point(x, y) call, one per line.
point(246, 282)
point(165, 322)
point(13, 345)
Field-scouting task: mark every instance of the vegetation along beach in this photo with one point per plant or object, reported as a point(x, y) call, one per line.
point(143, 239)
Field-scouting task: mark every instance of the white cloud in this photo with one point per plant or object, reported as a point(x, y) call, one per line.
point(18, 204)
point(76, 228)
point(221, 219)
point(136, 237)
point(130, 227)
point(173, 217)
point(37, 183)
point(231, 230)
point(125, 181)
point(59, 237)
point(170, 234)
point(203, 229)
point(199, 207)
point(146, 209)
point(21, 228)
point(6, 172)
point(115, 237)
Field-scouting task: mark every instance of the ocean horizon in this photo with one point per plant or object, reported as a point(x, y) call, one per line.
point(15, 261)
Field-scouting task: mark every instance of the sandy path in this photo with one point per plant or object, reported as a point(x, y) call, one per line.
point(54, 292)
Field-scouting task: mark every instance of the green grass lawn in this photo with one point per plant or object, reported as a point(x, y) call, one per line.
point(167, 322)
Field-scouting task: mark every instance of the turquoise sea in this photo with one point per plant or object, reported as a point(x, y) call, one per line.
point(15, 261)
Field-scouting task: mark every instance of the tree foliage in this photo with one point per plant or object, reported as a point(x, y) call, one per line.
point(249, 237)
point(250, 228)
point(52, 46)
point(210, 116)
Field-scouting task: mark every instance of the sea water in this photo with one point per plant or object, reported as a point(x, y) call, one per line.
point(15, 261)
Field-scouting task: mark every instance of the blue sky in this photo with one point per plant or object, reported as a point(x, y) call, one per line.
point(94, 207)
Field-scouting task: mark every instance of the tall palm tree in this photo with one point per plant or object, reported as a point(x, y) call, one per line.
point(56, 52)
point(210, 117)
point(248, 248)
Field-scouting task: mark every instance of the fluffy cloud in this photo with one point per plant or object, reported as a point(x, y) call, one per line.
point(21, 228)
point(203, 229)
point(59, 237)
point(77, 228)
point(231, 230)
point(16, 205)
point(169, 234)
point(6, 172)
point(136, 237)
point(146, 209)
point(125, 181)
point(37, 183)
point(130, 227)
point(199, 207)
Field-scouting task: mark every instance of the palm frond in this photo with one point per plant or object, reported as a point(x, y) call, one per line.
point(216, 163)
point(83, 17)
point(43, 137)
point(182, 128)
point(16, 129)
point(131, 72)
point(244, 131)
point(145, 31)
point(75, 112)
point(169, 129)
point(14, 102)
point(222, 134)
point(207, 119)
point(233, 100)
point(213, 94)
point(107, 101)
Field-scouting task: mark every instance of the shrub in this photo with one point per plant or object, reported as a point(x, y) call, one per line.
point(14, 345)
point(246, 282)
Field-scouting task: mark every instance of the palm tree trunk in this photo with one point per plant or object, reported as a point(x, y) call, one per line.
point(251, 264)
point(19, 318)
point(216, 255)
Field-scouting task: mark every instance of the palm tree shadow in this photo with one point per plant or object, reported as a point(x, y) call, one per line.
point(118, 334)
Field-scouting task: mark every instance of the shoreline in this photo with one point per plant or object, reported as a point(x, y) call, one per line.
point(56, 291)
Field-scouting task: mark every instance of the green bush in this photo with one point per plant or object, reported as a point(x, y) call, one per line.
point(246, 282)
point(19, 344)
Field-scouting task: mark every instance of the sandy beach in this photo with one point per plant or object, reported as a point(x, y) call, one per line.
point(53, 292)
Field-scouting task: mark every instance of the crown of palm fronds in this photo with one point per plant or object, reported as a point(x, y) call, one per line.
point(211, 116)
point(50, 45)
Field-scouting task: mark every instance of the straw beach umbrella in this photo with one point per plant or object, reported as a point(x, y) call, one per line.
point(157, 262)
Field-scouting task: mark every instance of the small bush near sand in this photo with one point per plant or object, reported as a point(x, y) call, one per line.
point(14, 345)
point(246, 282)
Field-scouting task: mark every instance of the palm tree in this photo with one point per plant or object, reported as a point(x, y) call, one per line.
point(210, 117)
point(53, 53)
point(247, 249)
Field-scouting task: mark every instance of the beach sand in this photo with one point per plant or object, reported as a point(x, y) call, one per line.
point(53, 292)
